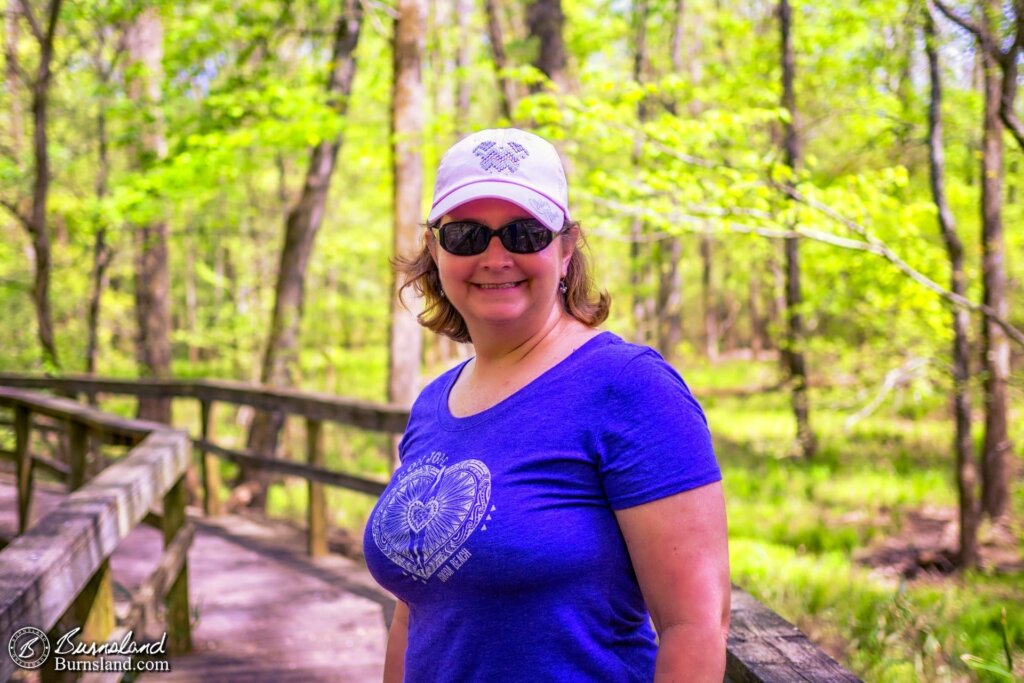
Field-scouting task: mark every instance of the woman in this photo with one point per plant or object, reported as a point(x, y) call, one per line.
point(558, 492)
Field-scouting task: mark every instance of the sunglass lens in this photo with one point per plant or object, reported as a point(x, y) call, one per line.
point(525, 237)
point(464, 239)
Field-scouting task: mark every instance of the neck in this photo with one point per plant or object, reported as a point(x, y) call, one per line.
point(500, 348)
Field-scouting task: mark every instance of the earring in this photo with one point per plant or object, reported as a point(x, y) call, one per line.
point(562, 287)
point(440, 291)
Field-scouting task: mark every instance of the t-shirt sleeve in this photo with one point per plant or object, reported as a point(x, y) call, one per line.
point(655, 440)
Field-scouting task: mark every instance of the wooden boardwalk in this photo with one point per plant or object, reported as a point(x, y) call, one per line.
point(262, 609)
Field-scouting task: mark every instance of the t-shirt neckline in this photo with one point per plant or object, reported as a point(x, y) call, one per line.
point(452, 423)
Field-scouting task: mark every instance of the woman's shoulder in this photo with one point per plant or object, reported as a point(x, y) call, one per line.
point(614, 357)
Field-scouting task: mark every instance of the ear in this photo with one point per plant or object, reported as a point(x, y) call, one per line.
point(568, 240)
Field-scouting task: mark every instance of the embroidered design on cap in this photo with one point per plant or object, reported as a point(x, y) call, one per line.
point(495, 158)
point(545, 210)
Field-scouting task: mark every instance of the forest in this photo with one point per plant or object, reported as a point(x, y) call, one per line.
point(806, 207)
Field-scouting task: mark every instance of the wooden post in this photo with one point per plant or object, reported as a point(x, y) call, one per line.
point(22, 432)
point(78, 441)
point(317, 510)
point(93, 611)
point(179, 629)
point(210, 464)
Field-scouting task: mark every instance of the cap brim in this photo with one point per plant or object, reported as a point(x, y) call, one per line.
point(531, 201)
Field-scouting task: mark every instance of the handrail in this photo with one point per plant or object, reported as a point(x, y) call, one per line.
point(762, 646)
point(59, 567)
point(379, 417)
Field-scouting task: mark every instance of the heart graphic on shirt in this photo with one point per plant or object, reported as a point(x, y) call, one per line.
point(430, 513)
point(420, 514)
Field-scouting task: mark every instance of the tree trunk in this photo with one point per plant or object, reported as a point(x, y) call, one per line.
point(506, 88)
point(794, 295)
point(463, 13)
point(639, 251)
point(407, 136)
point(144, 43)
point(670, 283)
point(670, 299)
point(35, 220)
point(545, 20)
point(966, 474)
point(101, 252)
point(995, 472)
point(11, 34)
point(754, 307)
point(708, 295)
point(303, 222)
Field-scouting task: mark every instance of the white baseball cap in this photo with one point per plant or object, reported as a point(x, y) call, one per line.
point(503, 163)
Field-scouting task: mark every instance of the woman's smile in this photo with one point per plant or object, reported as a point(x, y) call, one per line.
point(498, 285)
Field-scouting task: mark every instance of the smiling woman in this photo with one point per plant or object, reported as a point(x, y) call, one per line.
point(558, 492)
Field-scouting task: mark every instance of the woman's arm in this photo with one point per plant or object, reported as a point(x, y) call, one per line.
point(394, 660)
point(679, 549)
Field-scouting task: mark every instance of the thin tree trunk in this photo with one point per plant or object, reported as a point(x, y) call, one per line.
point(144, 41)
point(995, 471)
point(11, 35)
point(506, 88)
point(303, 222)
point(708, 297)
point(640, 257)
point(463, 13)
point(101, 253)
point(794, 295)
point(407, 135)
point(670, 301)
point(754, 306)
point(670, 285)
point(545, 21)
point(191, 298)
point(35, 220)
point(966, 473)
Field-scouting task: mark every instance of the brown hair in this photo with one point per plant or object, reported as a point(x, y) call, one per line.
point(439, 315)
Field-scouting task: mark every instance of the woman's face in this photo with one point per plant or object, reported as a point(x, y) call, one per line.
point(498, 287)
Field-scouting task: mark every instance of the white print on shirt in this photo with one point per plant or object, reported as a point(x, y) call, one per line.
point(432, 511)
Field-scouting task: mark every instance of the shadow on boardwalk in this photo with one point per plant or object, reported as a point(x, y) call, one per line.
point(262, 609)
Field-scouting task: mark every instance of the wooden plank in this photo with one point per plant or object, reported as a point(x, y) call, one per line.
point(179, 629)
point(316, 511)
point(381, 417)
point(94, 606)
point(211, 466)
point(765, 648)
point(330, 477)
point(115, 430)
point(40, 463)
point(22, 425)
point(161, 581)
point(44, 570)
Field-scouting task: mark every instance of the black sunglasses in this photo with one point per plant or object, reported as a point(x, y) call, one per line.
point(466, 238)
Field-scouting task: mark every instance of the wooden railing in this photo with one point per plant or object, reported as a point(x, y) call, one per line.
point(56, 572)
point(762, 646)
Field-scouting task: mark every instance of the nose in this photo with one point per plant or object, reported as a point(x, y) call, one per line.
point(496, 255)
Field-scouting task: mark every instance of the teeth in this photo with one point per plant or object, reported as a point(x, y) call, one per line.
point(504, 285)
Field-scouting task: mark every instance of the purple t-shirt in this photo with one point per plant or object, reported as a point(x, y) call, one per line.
point(499, 531)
